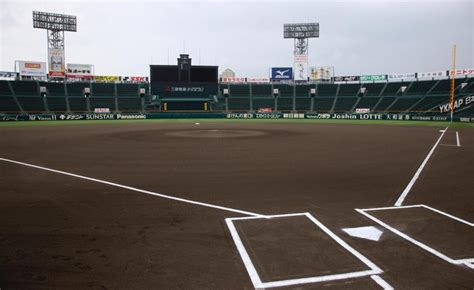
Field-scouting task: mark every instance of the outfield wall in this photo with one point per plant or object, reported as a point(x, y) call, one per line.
point(210, 115)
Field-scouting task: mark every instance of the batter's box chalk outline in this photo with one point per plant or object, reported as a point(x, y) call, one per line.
point(466, 261)
point(257, 282)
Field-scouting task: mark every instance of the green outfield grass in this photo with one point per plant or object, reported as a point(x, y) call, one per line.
point(295, 121)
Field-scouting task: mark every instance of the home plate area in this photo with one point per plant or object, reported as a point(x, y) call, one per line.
point(292, 249)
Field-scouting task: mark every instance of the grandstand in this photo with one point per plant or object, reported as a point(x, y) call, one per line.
point(63, 97)
point(418, 97)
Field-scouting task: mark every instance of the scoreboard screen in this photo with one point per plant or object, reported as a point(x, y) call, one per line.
point(164, 73)
point(204, 74)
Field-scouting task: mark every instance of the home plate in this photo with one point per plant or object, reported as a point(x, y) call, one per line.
point(369, 233)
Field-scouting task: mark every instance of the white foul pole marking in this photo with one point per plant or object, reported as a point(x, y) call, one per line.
point(136, 189)
point(418, 172)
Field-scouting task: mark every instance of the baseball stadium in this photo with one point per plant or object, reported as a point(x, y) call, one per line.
point(188, 177)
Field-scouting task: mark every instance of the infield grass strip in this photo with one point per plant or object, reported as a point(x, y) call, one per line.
point(275, 121)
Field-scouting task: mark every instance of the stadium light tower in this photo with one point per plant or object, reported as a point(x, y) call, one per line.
point(301, 32)
point(55, 24)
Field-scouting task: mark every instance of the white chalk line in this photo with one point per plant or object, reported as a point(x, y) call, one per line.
point(418, 172)
point(458, 142)
point(255, 278)
point(381, 282)
point(412, 240)
point(136, 189)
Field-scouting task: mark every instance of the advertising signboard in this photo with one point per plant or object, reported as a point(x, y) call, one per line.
point(322, 73)
point(56, 63)
point(301, 68)
point(282, 73)
point(79, 71)
point(32, 68)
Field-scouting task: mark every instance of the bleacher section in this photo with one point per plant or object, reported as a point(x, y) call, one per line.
point(328, 90)
point(419, 97)
point(285, 104)
point(323, 104)
point(344, 104)
point(349, 90)
point(31, 103)
point(8, 104)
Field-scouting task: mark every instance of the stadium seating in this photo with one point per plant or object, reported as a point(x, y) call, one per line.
point(5, 89)
point(56, 104)
point(76, 89)
point(102, 90)
point(32, 104)
point(344, 104)
point(403, 103)
point(368, 102)
point(78, 104)
point(54, 89)
point(102, 102)
point(8, 104)
point(383, 104)
point(259, 103)
point(25, 88)
point(373, 89)
point(393, 88)
point(262, 91)
point(285, 104)
point(303, 90)
point(323, 104)
point(419, 88)
point(284, 90)
point(328, 90)
point(239, 91)
point(127, 90)
point(349, 90)
point(129, 104)
point(303, 104)
point(239, 104)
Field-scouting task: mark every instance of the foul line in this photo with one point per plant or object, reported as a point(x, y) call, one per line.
point(418, 172)
point(137, 189)
point(466, 261)
point(457, 139)
point(381, 282)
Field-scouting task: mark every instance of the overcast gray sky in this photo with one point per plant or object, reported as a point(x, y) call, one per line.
point(356, 37)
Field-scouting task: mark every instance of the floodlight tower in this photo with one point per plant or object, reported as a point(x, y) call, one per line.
point(55, 24)
point(301, 32)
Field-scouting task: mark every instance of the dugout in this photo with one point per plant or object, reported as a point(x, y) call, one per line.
point(184, 87)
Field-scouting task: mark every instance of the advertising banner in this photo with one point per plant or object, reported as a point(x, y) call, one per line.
point(32, 68)
point(346, 79)
point(322, 73)
point(371, 78)
point(258, 80)
point(301, 68)
point(57, 66)
point(432, 74)
point(462, 72)
point(79, 71)
point(8, 75)
point(135, 79)
point(233, 80)
point(282, 73)
point(405, 76)
point(107, 78)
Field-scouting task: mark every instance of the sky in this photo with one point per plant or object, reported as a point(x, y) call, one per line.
point(356, 37)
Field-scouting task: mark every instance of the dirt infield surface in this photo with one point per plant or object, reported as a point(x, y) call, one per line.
point(115, 225)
